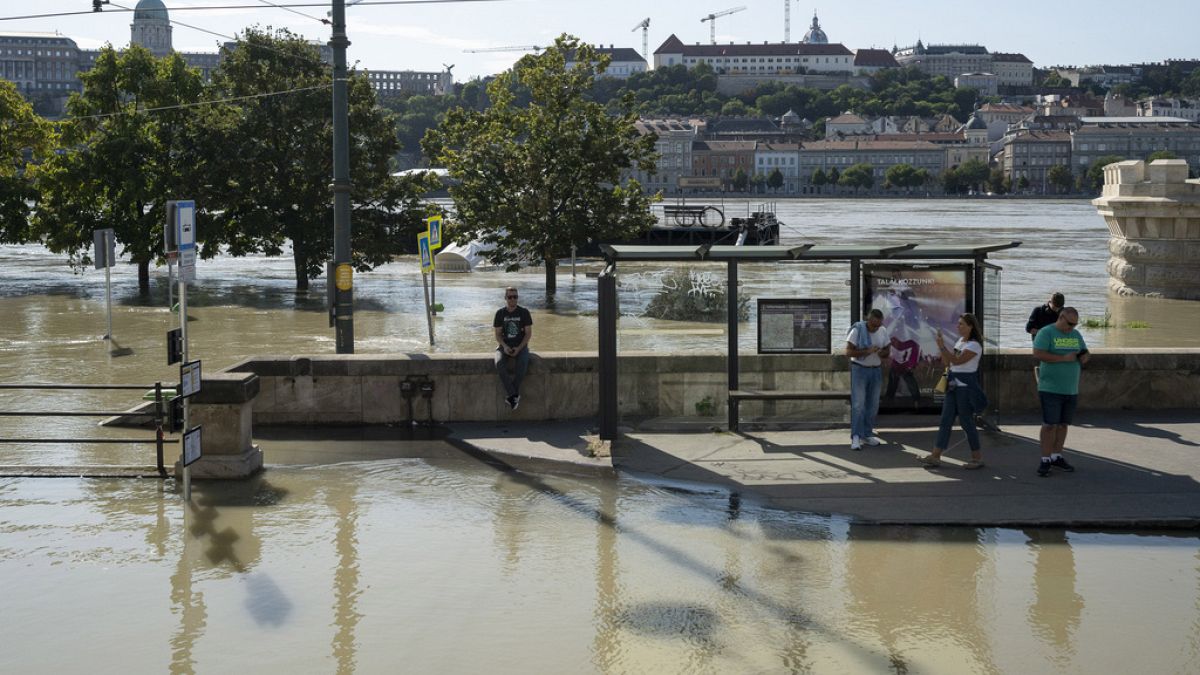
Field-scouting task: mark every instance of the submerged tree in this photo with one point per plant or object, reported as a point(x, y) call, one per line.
point(119, 160)
point(534, 180)
point(24, 136)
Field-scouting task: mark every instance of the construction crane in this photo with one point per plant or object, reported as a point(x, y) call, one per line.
point(644, 24)
point(712, 19)
point(787, 21)
point(518, 48)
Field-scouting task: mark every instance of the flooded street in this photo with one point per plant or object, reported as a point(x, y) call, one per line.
point(453, 566)
point(373, 561)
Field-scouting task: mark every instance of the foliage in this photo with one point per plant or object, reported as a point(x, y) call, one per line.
point(740, 180)
point(858, 176)
point(973, 174)
point(535, 180)
point(1105, 322)
point(691, 295)
point(1094, 178)
point(119, 159)
point(1022, 182)
point(706, 407)
point(1060, 177)
point(906, 176)
point(1137, 325)
point(775, 179)
point(23, 135)
point(819, 178)
point(1161, 154)
point(275, 189)
point(998, 183)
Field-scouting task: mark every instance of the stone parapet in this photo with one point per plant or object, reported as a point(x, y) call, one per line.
point(224, 409)
point(1153, 217)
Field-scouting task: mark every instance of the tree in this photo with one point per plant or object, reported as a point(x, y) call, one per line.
point(535, 180)
point(740, 180)
point(819, 179)
point(904, 176)
point(858, 176)
point(998, 183)
point(1161, 154)
point(973, 173)
point(1059, 176)
point(275, 189)
point(952, 182)
point(23, 134)
point(1094, 177)
point(775, 180)
point(1023, 182)
point(759, 182)
point(834, 176)
point(120, 157)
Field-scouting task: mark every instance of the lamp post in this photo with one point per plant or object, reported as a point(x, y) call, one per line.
point(343, 272)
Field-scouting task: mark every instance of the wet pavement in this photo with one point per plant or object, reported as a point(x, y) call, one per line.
point(1133, 470)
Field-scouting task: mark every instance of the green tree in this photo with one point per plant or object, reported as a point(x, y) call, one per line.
point(998, 183)
point(1059, 176)
point(819, 179)
point(952, 182)
point(1023, 182)
point(1161, 154)
point(775, 180)
point(834, 176)
point(1094, 178)
point(904, 176)
point(973, 174)
point(274, 190)
point(858, 176)
point(23, 135)
point(121, 157)
point(759, 182)
point(740, 180)
point(536, 180)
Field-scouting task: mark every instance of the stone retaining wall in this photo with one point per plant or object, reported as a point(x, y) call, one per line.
point(366, 389)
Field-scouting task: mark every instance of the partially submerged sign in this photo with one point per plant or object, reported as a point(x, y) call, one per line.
point(189, 378)
point(192, 445)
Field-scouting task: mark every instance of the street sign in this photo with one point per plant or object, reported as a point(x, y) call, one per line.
point(174, 345)
point(191, 445)
point(184, 227)
point(435, 232)
point(426, 253)
point(105, 248)
point(189, 378)
point(344, 277)
point(187, 264)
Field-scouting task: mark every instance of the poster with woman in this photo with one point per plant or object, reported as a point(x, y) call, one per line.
point(917, 301)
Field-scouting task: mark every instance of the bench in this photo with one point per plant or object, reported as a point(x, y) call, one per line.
point(736, 396)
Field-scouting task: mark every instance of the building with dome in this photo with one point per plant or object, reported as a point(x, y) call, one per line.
point(815, 36)
point(151, 27)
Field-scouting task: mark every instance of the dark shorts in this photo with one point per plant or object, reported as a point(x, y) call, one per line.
point(1057, 408)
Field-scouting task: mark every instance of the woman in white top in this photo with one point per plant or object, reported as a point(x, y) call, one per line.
point(964, 396)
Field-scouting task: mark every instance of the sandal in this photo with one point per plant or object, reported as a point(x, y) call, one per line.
point(930, 460)
point(974, 464)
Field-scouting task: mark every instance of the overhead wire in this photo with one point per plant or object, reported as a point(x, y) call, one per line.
point(364, 3)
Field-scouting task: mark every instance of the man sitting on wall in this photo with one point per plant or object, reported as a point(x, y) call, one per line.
point(513, 327)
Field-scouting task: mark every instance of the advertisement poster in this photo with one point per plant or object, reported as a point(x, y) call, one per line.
point(793, 326)
point(917, 302)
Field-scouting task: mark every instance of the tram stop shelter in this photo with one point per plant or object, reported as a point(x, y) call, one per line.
point(984, 300)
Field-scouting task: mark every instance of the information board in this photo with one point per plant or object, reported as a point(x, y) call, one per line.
point(794, 325)
point(189, 378)
point(191, 445)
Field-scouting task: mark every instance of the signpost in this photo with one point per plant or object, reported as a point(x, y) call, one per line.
point(434, 226)
point(105, 242)
point(191, 446)
point(180, 237)
point(426, 267)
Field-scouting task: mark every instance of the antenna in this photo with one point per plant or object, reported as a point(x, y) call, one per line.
point(712, 19)
point(644, 24)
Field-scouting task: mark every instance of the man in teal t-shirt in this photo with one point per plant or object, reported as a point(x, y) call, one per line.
point(1062, 352)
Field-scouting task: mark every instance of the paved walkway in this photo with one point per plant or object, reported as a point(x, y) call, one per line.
point(1133, 470)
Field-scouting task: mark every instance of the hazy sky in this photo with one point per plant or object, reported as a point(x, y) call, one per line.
point(407, 37)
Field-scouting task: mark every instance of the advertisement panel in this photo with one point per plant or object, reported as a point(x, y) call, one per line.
point(917, 302)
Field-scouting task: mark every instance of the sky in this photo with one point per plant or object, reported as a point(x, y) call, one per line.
point(427, 38)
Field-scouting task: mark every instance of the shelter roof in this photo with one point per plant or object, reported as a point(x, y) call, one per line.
point(809, 252)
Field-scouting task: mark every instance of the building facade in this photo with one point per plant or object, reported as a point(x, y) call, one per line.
point(44, 67)
point(674, 148)
point(950, 61)
point(1134, 138)
point(768, 58)
point(722, 160)
point(782, 156)
point(1169, 107)
point(1028, 156)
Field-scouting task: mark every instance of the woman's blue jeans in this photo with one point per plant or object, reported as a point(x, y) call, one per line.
point(957, 404)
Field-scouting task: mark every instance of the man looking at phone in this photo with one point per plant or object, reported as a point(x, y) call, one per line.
point(867, 347)
point(1061, 352)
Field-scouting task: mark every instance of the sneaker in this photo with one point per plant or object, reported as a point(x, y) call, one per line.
point(874, 440)
point(855, 443)
point(511, 401)
point(1061, 463)
point(1043, 468)
point(516, 401)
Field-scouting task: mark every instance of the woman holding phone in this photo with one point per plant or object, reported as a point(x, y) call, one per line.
point(964, 396)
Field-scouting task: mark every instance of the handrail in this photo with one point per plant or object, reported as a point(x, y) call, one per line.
point(159, 414)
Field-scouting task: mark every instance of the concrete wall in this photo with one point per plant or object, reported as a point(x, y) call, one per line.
point(365, 389)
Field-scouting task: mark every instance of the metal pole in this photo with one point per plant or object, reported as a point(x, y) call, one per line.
point(606, 295)
point(731, 301)
point(572, 261)
point(183, 329)
point(158, 426)
point(428, 308)
point(432, 288)
point(170, 285)
point(108, 284)
point(344, 307)
point(855, 284)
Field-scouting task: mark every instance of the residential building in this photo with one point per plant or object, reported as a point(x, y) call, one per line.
point(871, 61)
point(1014, 70)
point(987, 84)
point(722, 160)
point(1134, 138)
point(1000, 116)
point(1119, 106)
point(1029, 155)
point(879, 154)
point(1169, 107)
point(623, 61)
point(674, 148)
point(847, 124)
point(782, 156)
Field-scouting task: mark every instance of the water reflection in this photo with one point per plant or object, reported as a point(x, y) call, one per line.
point(1057, 608)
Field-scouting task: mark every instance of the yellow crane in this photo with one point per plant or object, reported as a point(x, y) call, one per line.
point(712, 19)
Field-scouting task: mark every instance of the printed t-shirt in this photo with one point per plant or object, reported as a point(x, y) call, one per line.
point(1059, 377)
point(512, 324)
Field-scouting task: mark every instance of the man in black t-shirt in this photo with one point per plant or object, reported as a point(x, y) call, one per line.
point(513, 327)
point(1041, 317)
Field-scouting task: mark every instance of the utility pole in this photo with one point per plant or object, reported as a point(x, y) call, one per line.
point(343, 310)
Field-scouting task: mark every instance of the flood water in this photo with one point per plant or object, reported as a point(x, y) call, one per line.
point(449, 565)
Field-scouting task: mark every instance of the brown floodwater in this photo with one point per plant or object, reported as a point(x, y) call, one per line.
point(357, 557)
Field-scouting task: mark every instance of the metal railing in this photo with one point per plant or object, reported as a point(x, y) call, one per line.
point(159, 416)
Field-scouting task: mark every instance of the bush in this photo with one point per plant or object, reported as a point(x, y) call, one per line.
point(689, 295)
